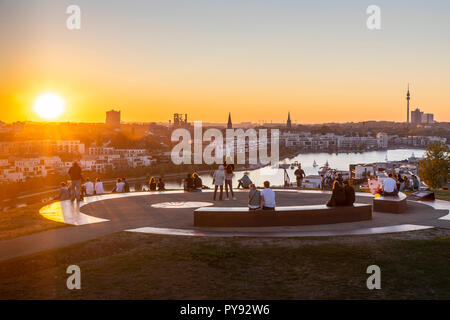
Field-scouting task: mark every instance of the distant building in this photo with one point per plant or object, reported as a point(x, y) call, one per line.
point(230, 124)
point(288, 123)
point(428, 118)
point(383, 140)
point(416, 116)
point(178, 119)
point(113, 118)
point(41, 147)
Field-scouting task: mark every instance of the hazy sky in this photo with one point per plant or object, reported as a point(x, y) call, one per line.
point(257, 59)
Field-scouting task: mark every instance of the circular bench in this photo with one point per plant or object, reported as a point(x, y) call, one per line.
point(390, 204)
point(281, 216)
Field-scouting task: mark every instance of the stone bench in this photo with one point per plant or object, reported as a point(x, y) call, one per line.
point(391, 204)
point(281, 216)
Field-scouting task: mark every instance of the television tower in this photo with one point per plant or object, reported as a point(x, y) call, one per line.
point(408, 97)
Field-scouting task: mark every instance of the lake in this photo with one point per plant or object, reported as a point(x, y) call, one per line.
point(339, 161)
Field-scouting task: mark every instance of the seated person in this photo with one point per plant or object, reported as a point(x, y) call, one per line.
point(267, 197)
point(374, 185)
point(64, 193)
point(337, 196)
point(349, 193)
point(254, 198)
point(198, 183)
point(188, 184)
point(152, 184)
point(126, 186)
point(99, 186)
point(244, 182)
point(161, 185)
point(89, 185)
point(390, 186)
point(119, 186)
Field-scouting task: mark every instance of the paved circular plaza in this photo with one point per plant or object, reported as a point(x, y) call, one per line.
point(171, 212)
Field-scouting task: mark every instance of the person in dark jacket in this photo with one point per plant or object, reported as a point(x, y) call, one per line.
point(337, 196)
point(161, 185)
point(349, 193)
point(152, 184)
point(198, 183)
point(188, 184)
point(126, 186)
point(75, 183)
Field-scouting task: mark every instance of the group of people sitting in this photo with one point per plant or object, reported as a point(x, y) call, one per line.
point(156, 184)
point(121, 186)
point(88, 188)
point(343, 194)
point(193, 183)
point(261, 199)
point(393, 184)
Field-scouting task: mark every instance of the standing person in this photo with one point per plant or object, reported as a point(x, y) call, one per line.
point(161, 184)
point(254, 198)
point(218, 180)
point(99, 187)
point(126, 186)
point(415, 183)
point(349, 193)
point(229, 168)
point(89, 187)
point(299, 175)
point(267, 197)
point(75, 184)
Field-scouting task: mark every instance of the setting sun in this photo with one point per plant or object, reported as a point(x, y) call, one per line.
point(49, 106)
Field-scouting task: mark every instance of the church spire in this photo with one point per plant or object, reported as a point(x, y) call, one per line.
point(288, 123)
point(229, 125)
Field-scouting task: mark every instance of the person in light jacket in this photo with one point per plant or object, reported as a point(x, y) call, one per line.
point(218, 180)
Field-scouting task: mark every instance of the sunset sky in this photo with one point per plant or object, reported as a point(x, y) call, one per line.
point(254, 58)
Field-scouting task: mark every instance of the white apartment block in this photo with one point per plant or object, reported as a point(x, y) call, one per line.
point(41, 146)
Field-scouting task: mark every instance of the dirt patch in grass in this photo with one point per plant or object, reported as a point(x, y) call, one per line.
point(25, 220)
point(139, 266)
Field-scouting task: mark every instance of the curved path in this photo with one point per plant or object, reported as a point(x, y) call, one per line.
point(171, 212)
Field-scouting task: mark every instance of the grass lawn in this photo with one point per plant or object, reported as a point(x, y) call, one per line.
point(442, 194)
point(414, 265)
point(25, 220)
